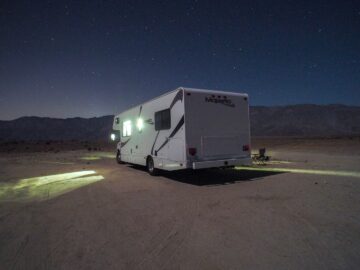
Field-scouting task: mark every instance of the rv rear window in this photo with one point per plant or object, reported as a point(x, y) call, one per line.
point(162, 120)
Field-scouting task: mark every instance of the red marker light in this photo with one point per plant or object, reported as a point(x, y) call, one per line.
point(246, 147)
point(192, 151)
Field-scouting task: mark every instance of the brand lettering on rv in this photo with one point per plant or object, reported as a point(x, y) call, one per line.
point(221, 100)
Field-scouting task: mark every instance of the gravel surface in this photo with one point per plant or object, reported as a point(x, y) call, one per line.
point(101, 215)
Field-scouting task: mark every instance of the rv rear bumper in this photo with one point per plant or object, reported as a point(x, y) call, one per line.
point(221, 163)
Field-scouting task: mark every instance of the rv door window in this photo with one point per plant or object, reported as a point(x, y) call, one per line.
point(162, 120)
point(126, 128)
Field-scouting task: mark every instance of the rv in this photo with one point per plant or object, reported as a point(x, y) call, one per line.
point(185, 129)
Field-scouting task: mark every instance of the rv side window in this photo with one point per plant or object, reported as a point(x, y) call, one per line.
point(162, 120)
point(126, 131)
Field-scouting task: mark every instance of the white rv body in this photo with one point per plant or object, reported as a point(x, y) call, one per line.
point(206, 129)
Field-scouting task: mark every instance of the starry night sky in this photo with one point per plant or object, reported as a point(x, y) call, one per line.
point(91, 58)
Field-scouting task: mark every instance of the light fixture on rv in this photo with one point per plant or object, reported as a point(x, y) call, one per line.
point(192, 151)
point(113, 136)
point(140, 124)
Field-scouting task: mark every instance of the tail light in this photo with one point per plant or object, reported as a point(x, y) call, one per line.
point(192, 151)
point(246, 147)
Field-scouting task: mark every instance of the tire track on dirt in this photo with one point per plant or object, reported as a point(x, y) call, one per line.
point(319, 253)
point(170, 237)
point(19, 252)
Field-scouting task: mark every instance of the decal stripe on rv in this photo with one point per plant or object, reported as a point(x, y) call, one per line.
point(123, 143)
point(176, 129)
point(152, 148)
point(179, 96)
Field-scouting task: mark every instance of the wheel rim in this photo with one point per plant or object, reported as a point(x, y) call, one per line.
point(151, 165)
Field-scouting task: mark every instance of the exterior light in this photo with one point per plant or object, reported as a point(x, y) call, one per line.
point(192, 151)
point(112, 136)
point(140, 124)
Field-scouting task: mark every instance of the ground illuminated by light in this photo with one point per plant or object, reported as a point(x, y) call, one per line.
point(303, 171)
point(46, 187)
point(98, 156)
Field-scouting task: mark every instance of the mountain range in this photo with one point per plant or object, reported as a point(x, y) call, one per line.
point(295, 120)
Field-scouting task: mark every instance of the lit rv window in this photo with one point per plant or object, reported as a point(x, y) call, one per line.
point(162, 120)
point(127, 128)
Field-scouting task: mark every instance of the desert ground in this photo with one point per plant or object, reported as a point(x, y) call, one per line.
point(71, 206)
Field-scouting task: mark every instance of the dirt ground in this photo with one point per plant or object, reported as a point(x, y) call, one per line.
point(64, 209)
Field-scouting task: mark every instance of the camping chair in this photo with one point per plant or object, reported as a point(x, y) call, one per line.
point(261, 157)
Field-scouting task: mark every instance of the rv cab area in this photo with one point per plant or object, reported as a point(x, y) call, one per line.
point(186, 129)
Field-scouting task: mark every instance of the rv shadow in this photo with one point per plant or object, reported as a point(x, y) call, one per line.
point(211, 177)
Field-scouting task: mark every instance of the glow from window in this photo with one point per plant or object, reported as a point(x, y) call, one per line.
point(140, 124)
point(127, 128)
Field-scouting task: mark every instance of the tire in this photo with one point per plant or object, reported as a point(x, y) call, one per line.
point(150, 167)
point(118, 158)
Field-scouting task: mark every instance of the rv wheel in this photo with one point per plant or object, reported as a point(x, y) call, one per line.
point(118, 158)
point(150, 166)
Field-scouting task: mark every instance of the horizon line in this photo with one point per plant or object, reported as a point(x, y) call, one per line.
point(105, 115)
